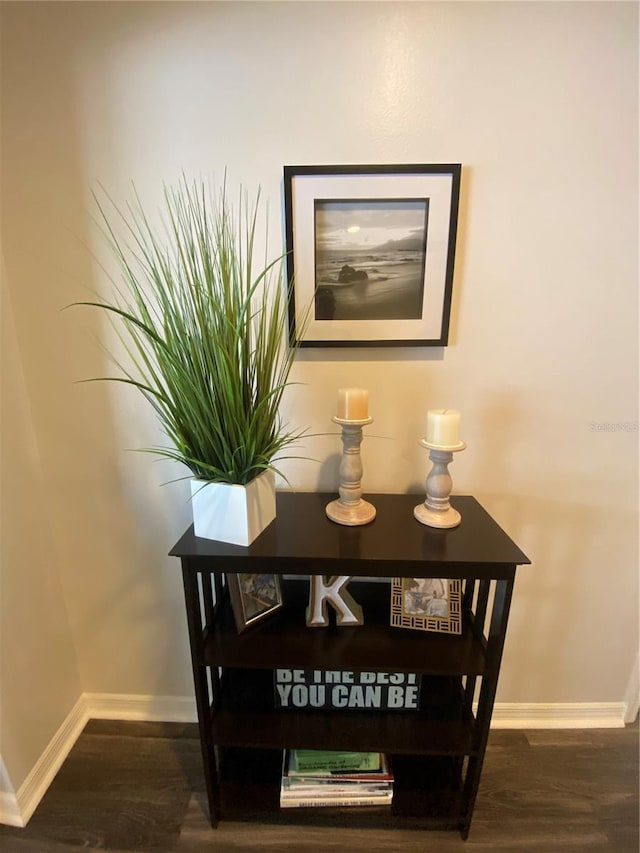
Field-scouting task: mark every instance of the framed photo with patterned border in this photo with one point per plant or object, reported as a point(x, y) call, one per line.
point(253, 597)
point(427, 604)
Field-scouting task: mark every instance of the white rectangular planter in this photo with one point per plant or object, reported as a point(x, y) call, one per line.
point(233, 513)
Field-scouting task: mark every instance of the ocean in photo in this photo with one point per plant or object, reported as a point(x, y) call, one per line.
point(383, 285)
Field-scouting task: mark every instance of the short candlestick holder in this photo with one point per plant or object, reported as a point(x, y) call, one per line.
point(350, 509)
point(436, 511)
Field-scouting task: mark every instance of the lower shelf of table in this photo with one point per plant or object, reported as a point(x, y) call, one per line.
point(402, 734)
point(245, 716)
point(427, 789)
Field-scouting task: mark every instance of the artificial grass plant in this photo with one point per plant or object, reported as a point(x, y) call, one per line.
point(206, 331)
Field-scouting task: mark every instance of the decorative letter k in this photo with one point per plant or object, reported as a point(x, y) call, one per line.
point(325, 589)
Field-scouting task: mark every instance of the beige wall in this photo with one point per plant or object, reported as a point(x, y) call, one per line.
point(39, 682)
point(539, 102)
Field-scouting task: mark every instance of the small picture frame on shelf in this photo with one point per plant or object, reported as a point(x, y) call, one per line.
point(427, 604)
point(253, 597)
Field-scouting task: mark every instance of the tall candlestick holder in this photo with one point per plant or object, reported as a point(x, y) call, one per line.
point(350, 509)
point(436, 511)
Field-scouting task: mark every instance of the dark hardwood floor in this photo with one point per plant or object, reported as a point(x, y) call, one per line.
point(138, 787)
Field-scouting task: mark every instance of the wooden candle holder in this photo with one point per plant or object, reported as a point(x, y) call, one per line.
point(436, 511)
point(350, 509)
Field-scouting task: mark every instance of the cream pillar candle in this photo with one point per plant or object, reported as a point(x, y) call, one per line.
point(353, 404)
point(443, 427)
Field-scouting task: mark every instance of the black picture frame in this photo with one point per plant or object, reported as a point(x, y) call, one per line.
point(401, 243)
point(254, 597)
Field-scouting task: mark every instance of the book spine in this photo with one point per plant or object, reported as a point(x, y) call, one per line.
point(337, 802)
point(331, 793)
point(338, 779)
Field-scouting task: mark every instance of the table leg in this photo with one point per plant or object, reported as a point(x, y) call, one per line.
point(203, 702)
point(495, 646)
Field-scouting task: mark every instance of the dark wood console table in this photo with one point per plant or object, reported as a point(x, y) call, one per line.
point(437, 751)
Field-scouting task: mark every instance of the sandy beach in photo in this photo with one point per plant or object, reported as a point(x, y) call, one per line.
point(393, 289)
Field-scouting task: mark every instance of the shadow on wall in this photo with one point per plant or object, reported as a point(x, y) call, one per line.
point(112, 528)
point(328, 476)
point(551, 595)
point(560, 624)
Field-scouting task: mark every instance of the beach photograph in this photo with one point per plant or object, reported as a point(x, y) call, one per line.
point(260, 594)
point(370, 258)
point(426, 597)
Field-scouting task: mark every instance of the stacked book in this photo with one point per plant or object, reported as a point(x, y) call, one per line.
point(320, 778)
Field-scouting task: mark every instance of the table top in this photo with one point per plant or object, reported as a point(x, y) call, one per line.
point(302, 540)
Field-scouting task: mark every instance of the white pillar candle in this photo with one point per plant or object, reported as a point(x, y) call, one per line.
point(353, 404)
point(443, 427)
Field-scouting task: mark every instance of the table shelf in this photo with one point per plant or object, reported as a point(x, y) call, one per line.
point(408, 733)
point(437, 750)
point(428, 791)
point(285, 641)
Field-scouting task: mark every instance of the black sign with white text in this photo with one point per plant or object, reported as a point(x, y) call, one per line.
point(344, 690)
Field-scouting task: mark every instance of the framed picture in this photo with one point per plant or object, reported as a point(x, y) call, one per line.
point(370, 253)
point(253, 597)
point(427, 604)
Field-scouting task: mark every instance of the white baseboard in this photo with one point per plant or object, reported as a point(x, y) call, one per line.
point(632, 694)
point(558, 715)
point(16, 809)
point(121, 706)
point(514, 715)
point(10, 813)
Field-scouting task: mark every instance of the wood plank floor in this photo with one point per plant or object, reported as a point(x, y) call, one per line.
point(138, 787)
